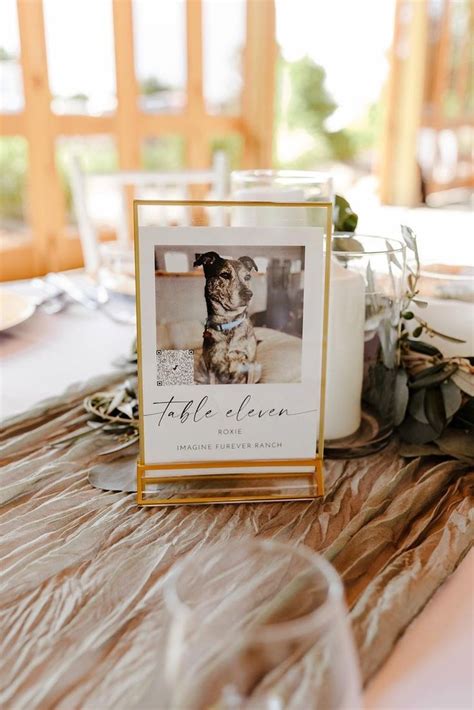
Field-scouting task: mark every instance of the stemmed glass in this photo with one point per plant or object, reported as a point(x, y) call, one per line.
point(258, 625)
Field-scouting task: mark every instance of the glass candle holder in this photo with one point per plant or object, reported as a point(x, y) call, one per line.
point(279, 186)
point(367, 271)
point(256, 624)
point(448, 290)
point(117, 268)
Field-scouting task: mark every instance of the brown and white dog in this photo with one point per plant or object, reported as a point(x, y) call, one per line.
point(229, 343)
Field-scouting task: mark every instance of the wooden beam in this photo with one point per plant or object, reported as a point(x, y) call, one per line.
point(17, 257)
point(127, 90)
point(128, 143)
point(400, 174)
point(150, 125)
point(12, 124)
point(258, 98)
point(441, 69)
point(197, 145)
point(84, 125)
point(464, 70)
point(45, 195)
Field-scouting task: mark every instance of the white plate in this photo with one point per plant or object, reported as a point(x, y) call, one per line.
point(123, 284)
point(14, 309)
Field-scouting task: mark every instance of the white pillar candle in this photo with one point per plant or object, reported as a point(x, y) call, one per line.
point(345, 356)
point(453, 317)
point(268, 216)
point(345, 362)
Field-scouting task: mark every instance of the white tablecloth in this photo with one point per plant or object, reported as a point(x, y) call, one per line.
point(432, 664)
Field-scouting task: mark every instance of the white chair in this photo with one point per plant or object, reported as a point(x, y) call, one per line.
point(146, 184)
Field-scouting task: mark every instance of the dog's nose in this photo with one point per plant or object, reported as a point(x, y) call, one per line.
point(246, 293)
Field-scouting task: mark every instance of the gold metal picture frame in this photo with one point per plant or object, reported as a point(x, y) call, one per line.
point(234, 486)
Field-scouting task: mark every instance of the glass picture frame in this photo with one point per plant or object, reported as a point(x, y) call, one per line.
point(232, 328)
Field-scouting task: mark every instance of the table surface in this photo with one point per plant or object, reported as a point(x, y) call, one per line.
point(431, 666)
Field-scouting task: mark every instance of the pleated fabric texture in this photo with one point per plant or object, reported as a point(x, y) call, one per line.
point(82, 614)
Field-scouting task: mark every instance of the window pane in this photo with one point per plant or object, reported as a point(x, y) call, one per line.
point(223, 46)
point(165, 153)
point(80, 50)
point(11, 81)
point(97, 154)
point(232, 145)
point(160, 54)
point(13, 167)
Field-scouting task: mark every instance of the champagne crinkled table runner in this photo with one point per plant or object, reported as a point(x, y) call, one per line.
point(81, 569)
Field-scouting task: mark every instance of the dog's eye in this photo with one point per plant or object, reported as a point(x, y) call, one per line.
point(247, 277)
point(225, 275)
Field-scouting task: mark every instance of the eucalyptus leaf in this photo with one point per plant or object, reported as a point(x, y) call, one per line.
point(415, 432)
point(428, 371)
point(126, 409)
point(465, 382)
point(450, 338)
point(409, 238)
point(341, 201)
point(415, 450)
point(345, 219)
point(392, 256)
point(379, 386)
point(452, 398)
point(457, 443)
point(430, 380)
point(419, 346)
point(435, 410)
point(401, 396)
point(416, 406)
point(116, 400)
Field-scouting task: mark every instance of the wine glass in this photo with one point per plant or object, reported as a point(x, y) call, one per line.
point(258, 625)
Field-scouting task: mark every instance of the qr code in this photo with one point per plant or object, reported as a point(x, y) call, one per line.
point(174, 367)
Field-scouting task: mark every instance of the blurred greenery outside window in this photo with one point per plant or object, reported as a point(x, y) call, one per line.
point(303, 102)
point(231, 144)
point(13, 174)
point(97, 154)
point(163, 153)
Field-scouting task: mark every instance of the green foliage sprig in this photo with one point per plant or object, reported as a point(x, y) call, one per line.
point(434, 394)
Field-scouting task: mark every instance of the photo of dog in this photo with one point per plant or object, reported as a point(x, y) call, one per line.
point(239, 309)
point(229, 344)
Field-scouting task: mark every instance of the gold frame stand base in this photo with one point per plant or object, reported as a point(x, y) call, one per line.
point(158, 484)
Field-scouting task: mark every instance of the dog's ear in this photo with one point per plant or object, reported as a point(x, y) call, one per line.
point(248, 262)
point(208, 260)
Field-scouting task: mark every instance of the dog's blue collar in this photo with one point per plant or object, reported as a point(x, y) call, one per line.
point(224, 327)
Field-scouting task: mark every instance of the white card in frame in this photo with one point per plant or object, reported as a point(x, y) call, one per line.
point(231, 328)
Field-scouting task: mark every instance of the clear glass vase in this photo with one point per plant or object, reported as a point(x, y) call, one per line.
point(374, 268)
point(280, 186)
point(258, 625)
point(448, 292)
